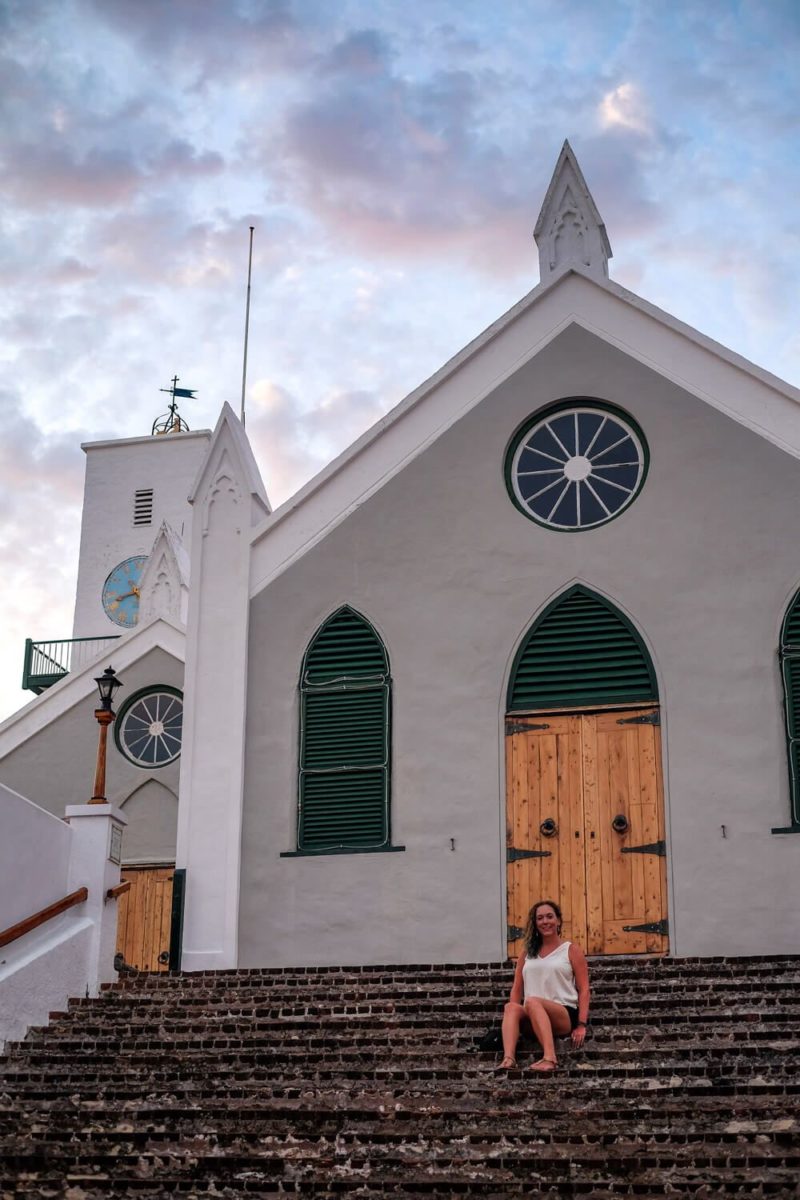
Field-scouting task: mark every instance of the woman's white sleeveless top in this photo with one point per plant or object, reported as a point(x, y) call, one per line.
point(551, 978)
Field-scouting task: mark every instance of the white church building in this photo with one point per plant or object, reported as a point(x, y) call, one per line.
point(535, 634)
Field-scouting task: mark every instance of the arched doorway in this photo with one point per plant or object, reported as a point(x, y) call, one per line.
point(584, 793)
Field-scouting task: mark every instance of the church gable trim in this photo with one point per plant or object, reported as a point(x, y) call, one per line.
point(230, 454)
point(761, 402)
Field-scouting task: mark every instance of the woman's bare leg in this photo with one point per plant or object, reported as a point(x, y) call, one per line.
point(548, 1020)
point(513, 1016)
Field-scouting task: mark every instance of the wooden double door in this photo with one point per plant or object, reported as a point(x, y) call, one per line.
point(144, 917)
point(585, 823)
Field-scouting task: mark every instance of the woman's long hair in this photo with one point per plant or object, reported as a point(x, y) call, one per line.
point(533, 939)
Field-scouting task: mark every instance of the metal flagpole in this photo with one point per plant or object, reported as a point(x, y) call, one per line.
point(247, 319)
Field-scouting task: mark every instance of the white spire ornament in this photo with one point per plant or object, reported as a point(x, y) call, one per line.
point(570, 231)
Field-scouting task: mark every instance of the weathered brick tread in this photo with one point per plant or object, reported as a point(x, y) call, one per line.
point(340, 1082)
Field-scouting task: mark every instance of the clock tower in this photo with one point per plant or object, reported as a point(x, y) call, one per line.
point(132, 486)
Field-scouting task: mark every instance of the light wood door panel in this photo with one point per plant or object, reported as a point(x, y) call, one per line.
point(544, 770)
point(144, 917)
point(582, 771)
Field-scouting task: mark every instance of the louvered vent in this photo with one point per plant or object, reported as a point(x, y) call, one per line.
point(790, 638)
point(143, 506)
point(581, 651)
point(344, 737)
point(790, 669)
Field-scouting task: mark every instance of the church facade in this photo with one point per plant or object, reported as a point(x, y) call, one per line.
point(522, 639)
point(534, 635)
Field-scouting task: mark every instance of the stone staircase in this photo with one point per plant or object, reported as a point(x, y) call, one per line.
point(366, 1082)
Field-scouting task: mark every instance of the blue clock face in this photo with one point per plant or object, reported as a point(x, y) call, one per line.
point(121, 591)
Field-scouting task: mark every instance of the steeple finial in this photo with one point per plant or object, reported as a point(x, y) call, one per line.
point(570, 230)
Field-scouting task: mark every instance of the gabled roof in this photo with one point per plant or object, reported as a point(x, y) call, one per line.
point(728, 382)
point(160, 632)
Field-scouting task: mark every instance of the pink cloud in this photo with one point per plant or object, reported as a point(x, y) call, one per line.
point(55, 176)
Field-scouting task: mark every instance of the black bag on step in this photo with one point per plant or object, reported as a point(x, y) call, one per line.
point(492, 1039)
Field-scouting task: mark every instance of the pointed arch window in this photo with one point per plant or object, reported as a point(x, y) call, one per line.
point(581, 651)
point(790, 673)
point(345, 738)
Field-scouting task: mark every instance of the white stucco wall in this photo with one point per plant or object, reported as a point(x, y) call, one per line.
point(43, 860)
point(54, 766)
point(38, 976)
point(34, 858)
point(114, 471)
point(452, 575)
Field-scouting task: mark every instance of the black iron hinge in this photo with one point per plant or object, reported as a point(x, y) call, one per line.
point(649, 718)
point(515, 932)
point(659, 848)
point(513, 727)
point(661, 927)
point(513, 855)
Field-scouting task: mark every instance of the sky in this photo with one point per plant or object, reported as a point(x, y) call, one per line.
point(392, 157)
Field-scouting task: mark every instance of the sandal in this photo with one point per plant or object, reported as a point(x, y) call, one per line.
point(545, 1066)
point(508, 1064)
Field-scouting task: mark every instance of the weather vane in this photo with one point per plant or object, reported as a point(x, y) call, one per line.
point(172, 422)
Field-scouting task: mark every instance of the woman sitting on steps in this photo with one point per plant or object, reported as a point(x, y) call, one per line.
point(550, 993)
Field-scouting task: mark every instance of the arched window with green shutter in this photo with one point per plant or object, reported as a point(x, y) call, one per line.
point(790, 671)
point(581, 651)
point(345, 728)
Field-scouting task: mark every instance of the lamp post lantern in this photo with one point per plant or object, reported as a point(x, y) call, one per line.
point(107, 684)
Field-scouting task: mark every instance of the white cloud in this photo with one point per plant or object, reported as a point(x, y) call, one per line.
point(625, 108)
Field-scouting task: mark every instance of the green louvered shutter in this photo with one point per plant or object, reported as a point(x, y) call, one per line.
point(581, 651)
point(790, 669)
point(344, 737)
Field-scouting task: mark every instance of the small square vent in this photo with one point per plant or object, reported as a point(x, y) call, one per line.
point(143, 506)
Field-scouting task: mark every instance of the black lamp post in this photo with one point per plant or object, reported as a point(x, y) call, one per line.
point(107, 684)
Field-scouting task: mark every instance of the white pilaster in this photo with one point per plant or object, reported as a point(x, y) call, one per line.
point(94, 864)
point(228, 499)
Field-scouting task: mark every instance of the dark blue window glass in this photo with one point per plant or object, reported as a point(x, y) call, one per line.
point(576, 468)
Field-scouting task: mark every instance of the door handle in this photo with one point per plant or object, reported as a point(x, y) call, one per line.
point(548, 828)
point(620, 823)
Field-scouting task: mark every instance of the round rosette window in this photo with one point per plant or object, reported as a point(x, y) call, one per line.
point(576, 466)
point(149, 728)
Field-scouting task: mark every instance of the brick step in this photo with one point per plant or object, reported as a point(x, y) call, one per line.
point(384, 1033)
point(436, 1087)
point(197, 1157)
point(454, 978)
point(420, 1184)
point(719, 1140)
point(468, 1018)
point(153, 1175)
point(176, 986)
point(780, 1053)
point(367, 1082)
point(227, 1055)
point(763, 1113)
point(417, 1185)
point(617, 966)
point(344, 1037)
point(257, 1000)
point(746, 1026)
